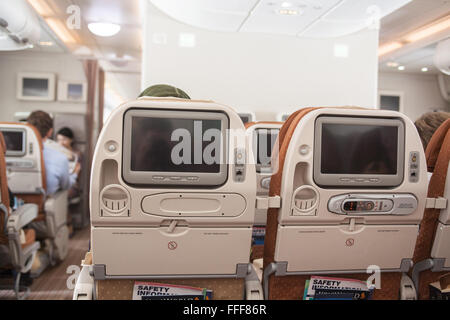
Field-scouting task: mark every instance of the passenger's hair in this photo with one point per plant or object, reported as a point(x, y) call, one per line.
point(42, 121)
point(164, 90)
point(428, 123)
point(66, 132)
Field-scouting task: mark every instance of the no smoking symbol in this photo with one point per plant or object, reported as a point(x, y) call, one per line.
point(172, 245)
point(350, 242)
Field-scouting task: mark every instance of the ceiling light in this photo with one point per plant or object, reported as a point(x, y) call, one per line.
point(288, 12)
point(59, 28)
point(424, 69)
point(392, 64)
point(401, 68)
point(286, 4)
point(429, 30)
point(46, 43)
point(41, 7)
point(104, 29)
point(341, 50)
point(386, 48)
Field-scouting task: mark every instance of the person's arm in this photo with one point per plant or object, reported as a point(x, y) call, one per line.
point(66, 180)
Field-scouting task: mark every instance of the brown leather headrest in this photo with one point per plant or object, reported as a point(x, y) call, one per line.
point(3, 177)
point(435, 145)
point(2, 143)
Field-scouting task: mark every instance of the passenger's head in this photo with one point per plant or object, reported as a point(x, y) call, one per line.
point(65, 137)
point(164, 90)
point(428, 123)
point(43, 123)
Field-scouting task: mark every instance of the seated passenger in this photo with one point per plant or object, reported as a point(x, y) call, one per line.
point(56, 163)
point(428, 123)
point(65, 138)
point(164, 90)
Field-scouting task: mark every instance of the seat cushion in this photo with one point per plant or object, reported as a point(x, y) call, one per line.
point(30, 237)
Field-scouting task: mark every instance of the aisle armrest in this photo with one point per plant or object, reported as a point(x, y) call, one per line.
point(22, 216)
point(253, 287)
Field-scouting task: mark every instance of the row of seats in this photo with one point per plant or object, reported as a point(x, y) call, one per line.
point(44, 217)
point(347, 196)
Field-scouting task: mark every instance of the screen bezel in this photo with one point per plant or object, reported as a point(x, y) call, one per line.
point(146, 178)
point(334, 180)
point(10, 153)
point(259, 167)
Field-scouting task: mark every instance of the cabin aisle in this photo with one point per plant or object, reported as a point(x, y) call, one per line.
point(52, 284)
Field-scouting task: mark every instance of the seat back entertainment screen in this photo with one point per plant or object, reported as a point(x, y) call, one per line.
point(15, 141)
point(265, 142)
point(359, 151)
point(174, 147)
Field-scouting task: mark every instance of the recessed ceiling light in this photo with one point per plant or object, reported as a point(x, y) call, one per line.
point(341, 50)
point(389, 47)
point(392, 64)
point(104, 29)
point(289, 12)
point(286, 4)
point(46, 43)
point(424, 69)
point(401, 68)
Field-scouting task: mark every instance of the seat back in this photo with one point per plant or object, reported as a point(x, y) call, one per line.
point(160, 209)
point(432, 251)
point(25, 162)
point(331, 162)
point(4, 194)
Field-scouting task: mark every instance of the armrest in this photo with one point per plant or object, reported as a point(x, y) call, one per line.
point(84, 288)
point(22, 216)
point(407, 288)
point(253, 287)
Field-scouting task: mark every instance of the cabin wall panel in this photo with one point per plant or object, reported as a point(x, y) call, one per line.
point(65, 66)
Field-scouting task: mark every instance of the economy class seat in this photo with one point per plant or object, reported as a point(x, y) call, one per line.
point(155, 219)
point(27, 180)
point(312, 233)
point(432, 253)
point(18, 246)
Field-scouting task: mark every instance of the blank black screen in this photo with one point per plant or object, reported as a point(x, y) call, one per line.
point(152, 145)
point(266, 141)
point(245, 119)
point(13, 140)
point(359, 149)
point(35, 87)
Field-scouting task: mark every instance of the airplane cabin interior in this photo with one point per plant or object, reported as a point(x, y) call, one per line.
point(247, 151)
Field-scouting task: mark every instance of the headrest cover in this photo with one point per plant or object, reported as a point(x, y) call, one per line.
point(164, 90)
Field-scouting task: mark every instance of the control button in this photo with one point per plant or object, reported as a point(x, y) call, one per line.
point(175, 178)
point(265, 183)
point(360, 180)
point(240, 157)
point(386, 205)
point(112, 148)
point(304, 150)
point(192, 178)
point(369, 205)
point(159, 178)
point(374, 180)
point(344, 179)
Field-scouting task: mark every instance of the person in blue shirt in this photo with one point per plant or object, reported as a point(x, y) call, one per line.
point(56, 163)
